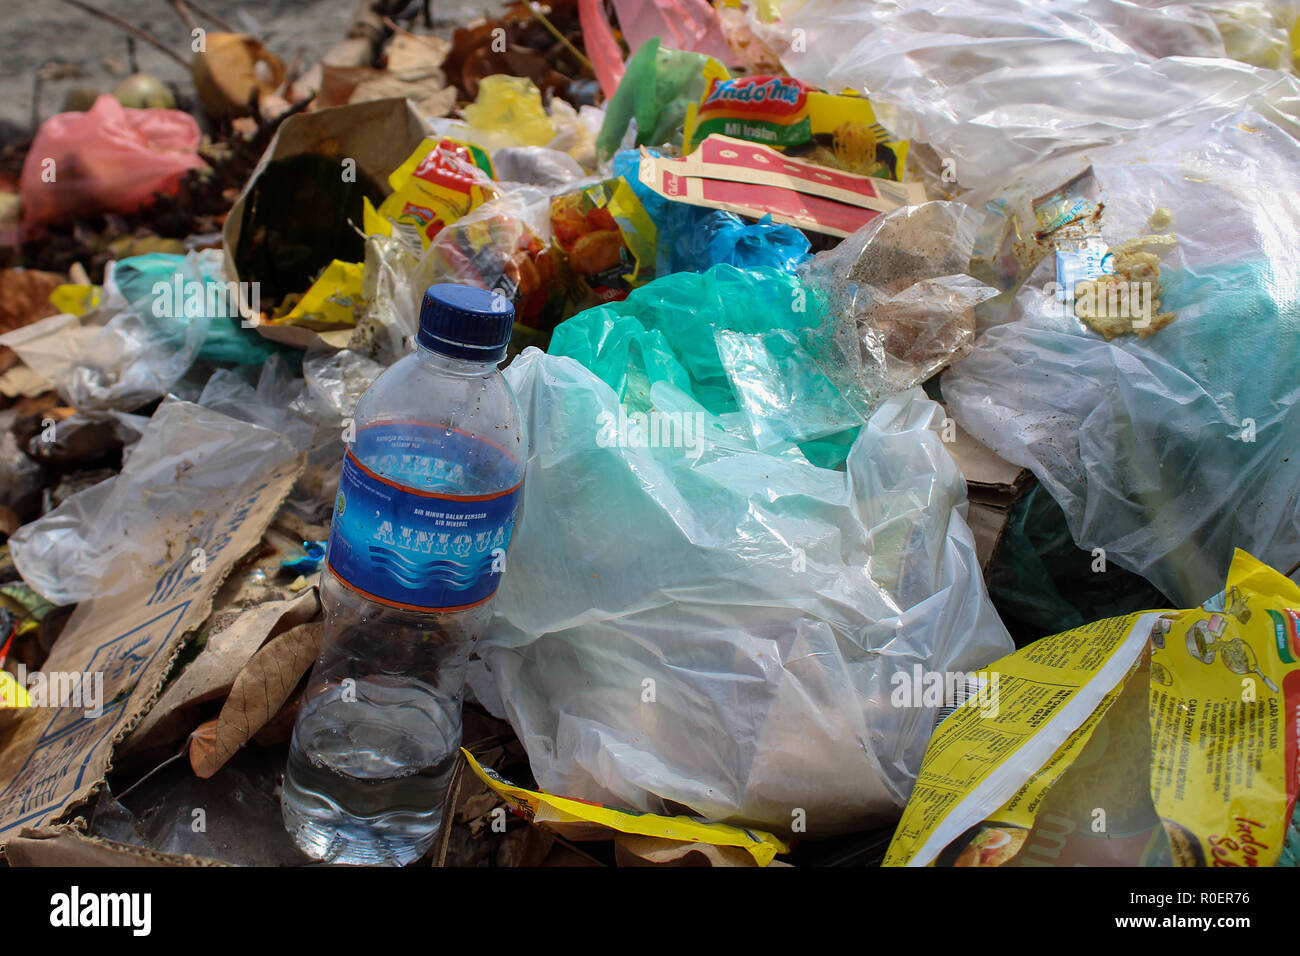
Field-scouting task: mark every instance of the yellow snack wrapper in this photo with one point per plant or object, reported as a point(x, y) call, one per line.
point(333, 301)
point(12, 694)
point(581, 820)
point(1162, 738)
point(838, 130)
point(607, 238)
point(436, 185)
point(76, 299)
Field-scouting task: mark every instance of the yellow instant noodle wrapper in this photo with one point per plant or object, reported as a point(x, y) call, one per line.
point(436, 185)
point(838, 130)
point(1163, 738)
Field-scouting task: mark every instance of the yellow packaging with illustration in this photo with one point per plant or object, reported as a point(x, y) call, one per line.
point(1167, 738)
point(439, 182)
point(838, 130)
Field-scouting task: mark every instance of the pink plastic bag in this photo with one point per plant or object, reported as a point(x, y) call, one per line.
point(681, 24)
point(110, 159)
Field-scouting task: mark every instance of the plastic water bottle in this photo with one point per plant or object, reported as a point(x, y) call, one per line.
point(425, 508)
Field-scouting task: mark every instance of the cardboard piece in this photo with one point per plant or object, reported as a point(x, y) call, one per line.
point(115, 651)
point(993, 485)
point(378, 135)
point(210, 675)
point(66, 846)
point(755, 180)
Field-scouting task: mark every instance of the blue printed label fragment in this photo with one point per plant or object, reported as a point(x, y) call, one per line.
point(403, 536)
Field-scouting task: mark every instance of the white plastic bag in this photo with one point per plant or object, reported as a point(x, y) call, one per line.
point(711, 627)
point(157, 507)
point(996, 85)
point(1167, 452)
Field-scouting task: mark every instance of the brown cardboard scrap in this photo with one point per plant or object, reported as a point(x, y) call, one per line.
point(212, 673)
point(993, 485)
point(754, 180)
point(66, 846)
point(378, 135)
point(116, 650)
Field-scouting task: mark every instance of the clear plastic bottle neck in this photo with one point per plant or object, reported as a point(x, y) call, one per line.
point(455, 366)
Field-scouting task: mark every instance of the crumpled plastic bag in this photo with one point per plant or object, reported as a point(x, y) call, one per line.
point(1168, 451)
point(75, 552)
point(900, 295)
point(272, 403)
point(165, 289)
point(716, 628)
point(116, 355)
point(750, 341)
point(509, 108)
point(997, 85)
point(108, 159)
point(692, 238)
point(655, 91)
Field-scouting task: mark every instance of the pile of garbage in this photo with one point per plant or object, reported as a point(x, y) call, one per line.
point(909, 393)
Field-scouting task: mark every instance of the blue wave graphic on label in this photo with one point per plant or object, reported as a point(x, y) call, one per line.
point(403, 536)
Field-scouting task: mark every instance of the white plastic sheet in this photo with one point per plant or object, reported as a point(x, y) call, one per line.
point(712, 627)
point(158, 507)
point(1169, 451)
point(995, 85)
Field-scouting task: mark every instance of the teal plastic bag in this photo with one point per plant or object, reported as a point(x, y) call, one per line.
point(734, 340)
point(170, 291)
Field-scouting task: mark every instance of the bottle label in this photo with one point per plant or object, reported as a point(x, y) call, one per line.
point(402, 537)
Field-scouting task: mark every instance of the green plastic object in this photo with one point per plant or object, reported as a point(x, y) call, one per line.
point(745, 341)
point(656, 88)
point(171, 306)
point(1042, 583)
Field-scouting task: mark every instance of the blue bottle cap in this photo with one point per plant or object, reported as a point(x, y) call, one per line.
point(465, 322)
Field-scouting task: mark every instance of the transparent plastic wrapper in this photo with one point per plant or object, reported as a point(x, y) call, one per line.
point(334, 383)
point(117, 356)
point(996, 85)
point(729, 338)
point(108, 158)
point(762, 602)
point(900, 297)
point(1169, 450)
point(271, 403)
point(75, 552)
point(536, 166)
point(503, 245)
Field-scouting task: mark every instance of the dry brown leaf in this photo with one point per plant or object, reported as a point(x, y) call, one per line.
point(203, 742)
point(230, 67)
point(264, 684)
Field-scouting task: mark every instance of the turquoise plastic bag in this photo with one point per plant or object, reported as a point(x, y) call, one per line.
point(150, 284)
point(734, 340)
